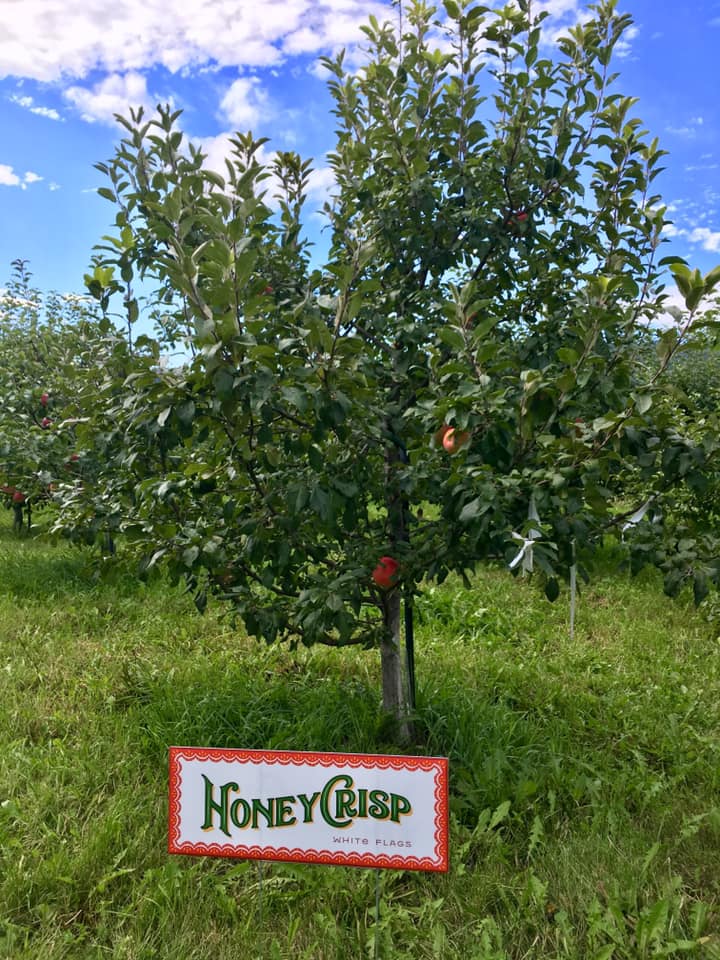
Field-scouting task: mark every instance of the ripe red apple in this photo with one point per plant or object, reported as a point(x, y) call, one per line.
point(439, 435)
point(385, 573)
point(519, 218)
point(268, 289)
point(18, 497)
point(44, 399)
point(74, 457)
point(45, 422)
point(454, 439)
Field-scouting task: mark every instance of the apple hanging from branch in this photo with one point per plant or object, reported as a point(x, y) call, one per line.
point(454, 439)
point(439, 435)
point(386, 572)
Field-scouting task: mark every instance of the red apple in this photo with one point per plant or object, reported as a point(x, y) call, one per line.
point(454, 439)
point(74, 457)
point(18, 497)
point(268, 289)
point(45, 422)
point(44, 399)
point(439, 435)
point(385, 573)
point(519, 218)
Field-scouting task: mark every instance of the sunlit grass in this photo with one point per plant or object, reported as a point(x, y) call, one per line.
point(585, 793)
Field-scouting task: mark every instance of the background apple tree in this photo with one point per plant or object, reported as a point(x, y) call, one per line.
point(48, 347)
point(492, 267)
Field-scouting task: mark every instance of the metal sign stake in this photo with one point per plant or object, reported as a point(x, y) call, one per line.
point(260, 891)
point(377, 914)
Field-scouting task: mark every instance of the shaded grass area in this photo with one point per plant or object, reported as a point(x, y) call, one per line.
point(585, 792)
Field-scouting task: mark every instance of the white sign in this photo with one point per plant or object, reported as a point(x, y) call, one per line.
point(359, 810)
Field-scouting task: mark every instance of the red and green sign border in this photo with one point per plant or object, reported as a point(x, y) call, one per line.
point(351, 858)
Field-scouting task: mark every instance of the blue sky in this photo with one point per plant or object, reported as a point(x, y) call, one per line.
point(66, 67)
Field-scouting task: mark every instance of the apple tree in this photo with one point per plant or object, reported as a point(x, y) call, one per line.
point(463, 379)
point(46, 361)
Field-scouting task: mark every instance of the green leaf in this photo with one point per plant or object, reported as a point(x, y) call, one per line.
point(190, 555)
point(296, 397)
point(223, 381)
point(335, 602)
point(682, 276)
point(567, 355)
point(553, 168)
point(712, 278)
point(701, 587)
point(471, 510)
point(643, 402)
point(452, 338)
point(499, 815)
point(552, 589)
point(186, 412)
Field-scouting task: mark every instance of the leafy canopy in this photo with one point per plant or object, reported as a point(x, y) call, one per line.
point(492, 266)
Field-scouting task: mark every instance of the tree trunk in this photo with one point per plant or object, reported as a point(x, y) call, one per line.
point(394, 688)
point(395, 669)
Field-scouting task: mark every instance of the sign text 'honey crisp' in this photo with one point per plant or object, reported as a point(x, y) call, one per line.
point(347, 809)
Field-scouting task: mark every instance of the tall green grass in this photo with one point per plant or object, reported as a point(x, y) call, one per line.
point(585, 785)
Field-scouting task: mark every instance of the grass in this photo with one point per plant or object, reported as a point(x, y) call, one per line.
point(585, 784)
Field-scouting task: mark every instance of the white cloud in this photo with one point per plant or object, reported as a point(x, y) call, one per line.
point(49, 112)
point(623, 48)
point(321, 185)
point(48, 41)
point(688, 130)
point(8, 177)
point(52, 186)
point(558, 8)
point(216, 149)
point(670, 230)
point(27, 103)
point(245, 104)
point(116, 93)
point(709, 239)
